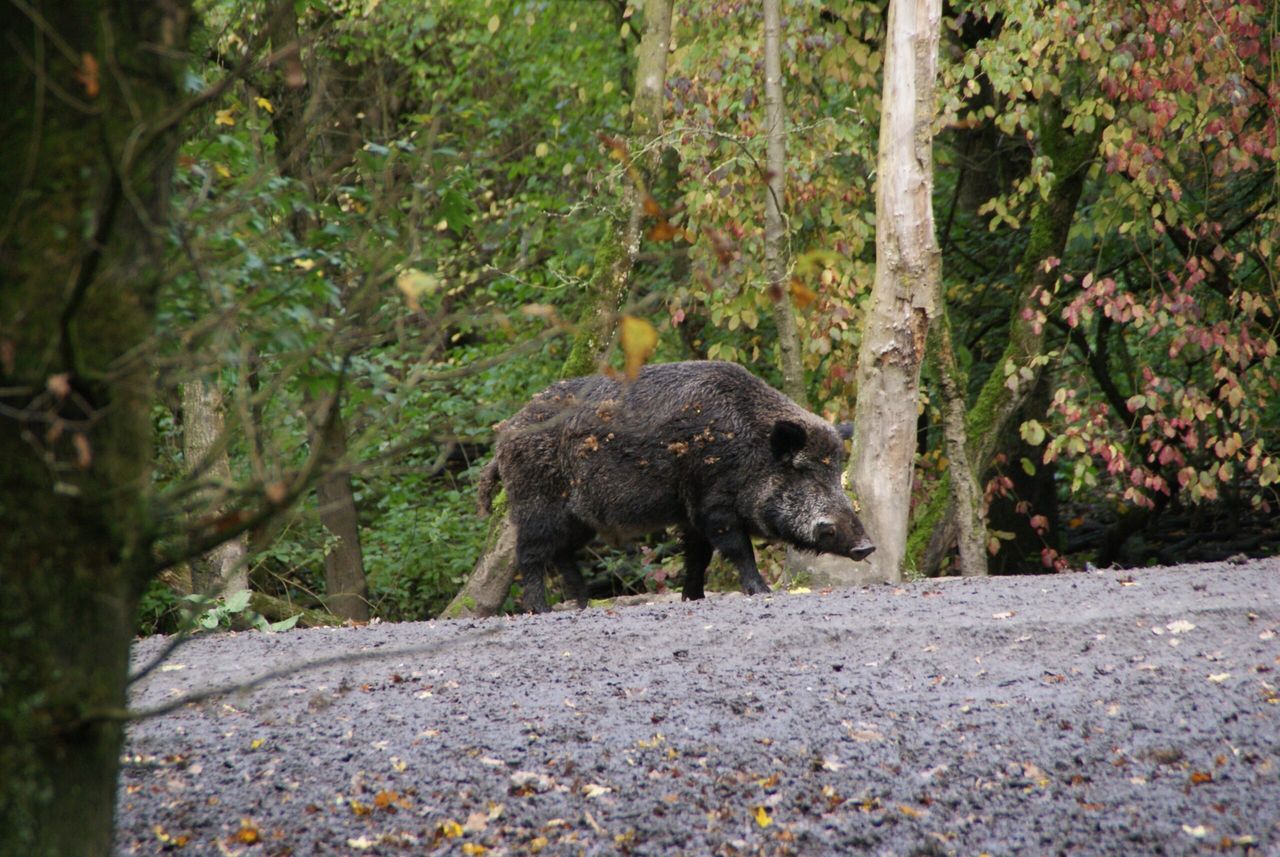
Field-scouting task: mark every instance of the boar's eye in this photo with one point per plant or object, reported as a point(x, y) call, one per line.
point(786, 439)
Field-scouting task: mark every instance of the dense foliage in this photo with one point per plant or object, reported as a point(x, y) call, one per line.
point(405, 213)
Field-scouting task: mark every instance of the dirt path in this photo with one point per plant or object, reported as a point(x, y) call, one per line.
point(1132, 712)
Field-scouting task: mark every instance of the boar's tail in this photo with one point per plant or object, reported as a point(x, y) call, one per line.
point(487, 487)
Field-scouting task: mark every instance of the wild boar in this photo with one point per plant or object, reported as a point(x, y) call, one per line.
point(703, 446)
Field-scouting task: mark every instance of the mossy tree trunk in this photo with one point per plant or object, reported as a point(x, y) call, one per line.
point(908, 267)
point(88, 118)
point(1019, 367)
point(777, 259)
point(966, 492)
point(490, 581)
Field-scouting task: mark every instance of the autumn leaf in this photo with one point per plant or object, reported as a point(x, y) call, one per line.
point(264, 104)
point(802, 295)
point(639, 339)
point(662, 231)
point(224, 117)
point(473, 848)
point(761, 816)
point(248, 833)
point(449, 829)
point(87, 74)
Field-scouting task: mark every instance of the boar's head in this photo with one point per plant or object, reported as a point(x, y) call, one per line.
point(799, 499)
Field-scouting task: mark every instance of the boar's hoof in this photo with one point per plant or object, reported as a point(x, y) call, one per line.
point(755, 587)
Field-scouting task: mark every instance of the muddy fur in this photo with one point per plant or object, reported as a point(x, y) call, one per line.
point(703, 446)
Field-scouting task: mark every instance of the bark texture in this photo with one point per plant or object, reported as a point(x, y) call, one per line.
point(777, 258)
point(486, 588)
point(345, 586)
point(224, 570)
point(908, 267)
point(87, 122)
point(966, 493)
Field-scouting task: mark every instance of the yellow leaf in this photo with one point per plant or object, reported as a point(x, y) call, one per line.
point(639, 339)
point(761, 816)
point(473, 848)
point(248, 832)
point(264, 104)
point(224, 117)
point(494, 23)
point(541, 150)
point(415, 285)
point(222, 171)
point(450, 828)
point(304, 264)
point(537, 843)
point(256, 743)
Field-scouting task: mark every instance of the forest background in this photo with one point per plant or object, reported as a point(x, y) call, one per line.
point(386, 218)
point(420, 213)
point(415, 216)
point(271, 272)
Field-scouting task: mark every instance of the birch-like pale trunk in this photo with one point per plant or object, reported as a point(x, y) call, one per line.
point(777, 261)
point(223, 571)
point(908, 267)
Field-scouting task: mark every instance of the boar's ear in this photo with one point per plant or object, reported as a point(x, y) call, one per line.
point(786, 439)
point(845, 430)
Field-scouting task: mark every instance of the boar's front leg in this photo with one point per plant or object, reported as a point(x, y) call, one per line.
point(697, 555)
point(728, 536)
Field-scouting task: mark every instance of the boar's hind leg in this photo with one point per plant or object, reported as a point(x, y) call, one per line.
point(574, 586)
point(541, 545)
point(697, 554)
point(728, 536)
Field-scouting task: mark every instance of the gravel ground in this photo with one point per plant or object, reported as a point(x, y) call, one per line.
point(1115, 712)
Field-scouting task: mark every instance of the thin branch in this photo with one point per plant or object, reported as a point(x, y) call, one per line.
point(124, 715)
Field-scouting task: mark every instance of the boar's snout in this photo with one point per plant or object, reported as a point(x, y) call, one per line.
point(844, 539)
point(862, 549)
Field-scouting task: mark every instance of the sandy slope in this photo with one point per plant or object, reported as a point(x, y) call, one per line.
point(1118, 712)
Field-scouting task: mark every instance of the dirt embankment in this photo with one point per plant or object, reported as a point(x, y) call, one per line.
point(1118, 712)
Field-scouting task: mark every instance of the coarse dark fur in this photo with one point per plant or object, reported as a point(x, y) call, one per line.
point(703, 446)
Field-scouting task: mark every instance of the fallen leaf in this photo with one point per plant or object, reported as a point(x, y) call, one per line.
point(595, 790)
point(1181, 626)
point(1198, 831)
point(1007, 614)
point(1219, 678)
point(248, 833)
point(761, 816)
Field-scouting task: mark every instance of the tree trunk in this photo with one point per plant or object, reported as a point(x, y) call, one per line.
point(616, 254)
point(486, 588)
point(777, 259)
point(86, 171)
point(908, 268)
point(224, 570)
point(346, 589)
point(1015, 375)
point(966, 493)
